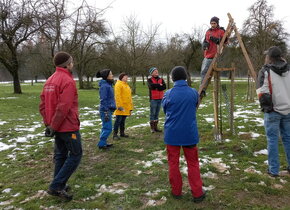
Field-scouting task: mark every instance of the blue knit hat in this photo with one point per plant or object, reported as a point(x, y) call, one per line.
point(152, 69)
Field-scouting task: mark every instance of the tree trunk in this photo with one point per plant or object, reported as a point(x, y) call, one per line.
point(189, 79)
point(168, 80)
point(134, 84)
point(16, 83)
point(143, 79)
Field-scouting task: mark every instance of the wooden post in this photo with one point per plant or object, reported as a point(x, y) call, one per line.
point(231, 120)
point(216, 105)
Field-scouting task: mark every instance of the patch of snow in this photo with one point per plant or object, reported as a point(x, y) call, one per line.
point(220, 153)
point(262, 183)
point(87, 123)
point(2, 122)
point(209, 120)
point(209, 188)
point(5, 146)
point(7, 190)
point(261, 152)
point(210, 175)
point(139, 126)
point(252, 170)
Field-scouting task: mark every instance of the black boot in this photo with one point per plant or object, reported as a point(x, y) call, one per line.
point(115, 136)
point(122, 133)
point(152, 126)
point(155, 126)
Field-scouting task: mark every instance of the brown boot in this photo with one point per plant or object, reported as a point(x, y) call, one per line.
point(152, 126)
point(155, 126)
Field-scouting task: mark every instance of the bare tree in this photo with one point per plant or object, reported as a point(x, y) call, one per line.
point(19, 21)
point(261, 31)
point(136, 42)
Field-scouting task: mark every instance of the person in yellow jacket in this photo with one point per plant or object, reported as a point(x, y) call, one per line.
point(124, 104)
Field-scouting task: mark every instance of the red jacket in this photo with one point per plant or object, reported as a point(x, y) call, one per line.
point(217, 34)
point(59, 102)
point(156, 88)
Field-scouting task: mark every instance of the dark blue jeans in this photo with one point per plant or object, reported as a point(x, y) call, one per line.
point(106, 128)
point(155, 106)
point(67, 156)
point(119, 123)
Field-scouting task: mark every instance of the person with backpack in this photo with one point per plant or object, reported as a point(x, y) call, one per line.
point(274, 96)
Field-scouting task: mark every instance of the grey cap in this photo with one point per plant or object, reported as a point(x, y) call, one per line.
point(274, 52)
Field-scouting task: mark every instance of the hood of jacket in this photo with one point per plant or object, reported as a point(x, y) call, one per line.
point(279, 67)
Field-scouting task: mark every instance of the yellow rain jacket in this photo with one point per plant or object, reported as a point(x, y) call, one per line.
point(123, 98)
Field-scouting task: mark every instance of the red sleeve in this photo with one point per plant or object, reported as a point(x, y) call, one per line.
point(65, 102)
point(42, 108)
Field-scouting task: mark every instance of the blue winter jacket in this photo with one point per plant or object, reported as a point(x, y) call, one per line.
point(107, 99)
point(179, 105)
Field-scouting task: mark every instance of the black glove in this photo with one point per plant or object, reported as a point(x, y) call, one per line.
point(107, 117)
point(205, 45)
point(120, 108)
point(214, 39)
point(49, 132)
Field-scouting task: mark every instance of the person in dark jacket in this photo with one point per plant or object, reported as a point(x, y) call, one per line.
point(156, 87)
point(273, 92)
point(180, 131)
point(107, 106)
point(212, 39)
point(59, 109)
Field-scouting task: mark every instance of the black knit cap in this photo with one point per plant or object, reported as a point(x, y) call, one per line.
point(122, 75)
point(215, 19)
point(62, 59)
point(178, 73)
point(274, 52)
point(103, 73)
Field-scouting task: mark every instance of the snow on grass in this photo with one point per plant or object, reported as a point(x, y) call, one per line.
point(138, 126)
point(252, 170)
point(2, 122)
point(261, 152)
point(209, 120)
point(156, 202)
point(6, 146)
point(29, 129)
point(7, 190)
point(7, 98)
point(210, 175)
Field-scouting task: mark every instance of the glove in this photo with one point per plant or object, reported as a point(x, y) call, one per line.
point(214, 39)
point(49, 132)
point(107, 117)
point(120, 108)
point(205, 45)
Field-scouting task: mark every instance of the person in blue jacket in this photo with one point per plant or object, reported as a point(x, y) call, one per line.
point(107, 106)
point(180, 130)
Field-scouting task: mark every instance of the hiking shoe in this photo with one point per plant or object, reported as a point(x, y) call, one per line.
point(124, 135)
point(272, 175)
point(104, 147)
point(176, 196)
point(116, 137)
point(199, 199)
point(62, 194)
point(109, 145)
point(67, 188)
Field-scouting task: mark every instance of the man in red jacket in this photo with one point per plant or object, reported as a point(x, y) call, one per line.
point(59, 109)
point(156, 87)
point(212, 38)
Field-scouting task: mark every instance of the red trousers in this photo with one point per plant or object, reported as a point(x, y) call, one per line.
point(175, 179)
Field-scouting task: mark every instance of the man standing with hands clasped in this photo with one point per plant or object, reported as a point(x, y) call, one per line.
point(156, 87)
point(59, 109)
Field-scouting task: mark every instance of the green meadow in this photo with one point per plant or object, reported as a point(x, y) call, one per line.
point(134, 174)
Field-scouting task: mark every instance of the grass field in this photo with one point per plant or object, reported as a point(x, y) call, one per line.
point(133, 175)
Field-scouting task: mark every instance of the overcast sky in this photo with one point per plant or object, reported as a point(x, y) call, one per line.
point(178, 16)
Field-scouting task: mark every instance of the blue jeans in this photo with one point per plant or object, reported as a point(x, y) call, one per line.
point(155, 105)
point(120, 123)
point(67, 156)
point(204, 67)
point(106, 129)
point(277, 124)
